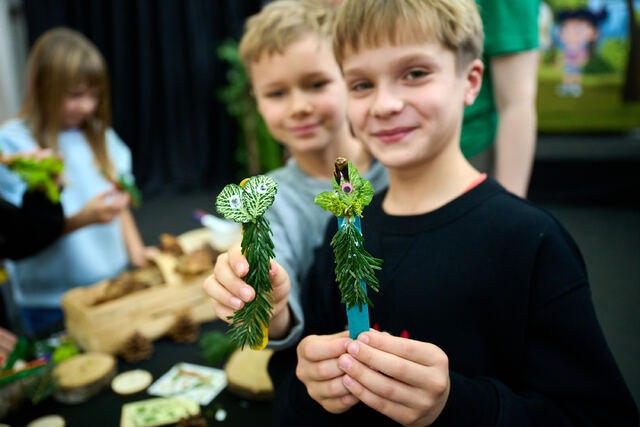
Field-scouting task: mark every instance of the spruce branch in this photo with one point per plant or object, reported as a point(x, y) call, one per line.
point(250, 323)
point(354, 265)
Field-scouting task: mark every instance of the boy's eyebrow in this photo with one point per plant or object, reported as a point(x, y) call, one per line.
point(303, 77)
point(397, 63)
point(314, 74)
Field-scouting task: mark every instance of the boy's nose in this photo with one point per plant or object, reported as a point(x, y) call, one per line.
point(300, 105)
point(385, 104)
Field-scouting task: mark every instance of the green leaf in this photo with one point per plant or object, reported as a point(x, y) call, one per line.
point(259, 193)
point(127, 184)
point(229, 204)
point(39, 175)
point(331, 201)
point(342, 204)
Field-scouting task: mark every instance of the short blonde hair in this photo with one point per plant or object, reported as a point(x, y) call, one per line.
point(283, 22)
point(454, 23)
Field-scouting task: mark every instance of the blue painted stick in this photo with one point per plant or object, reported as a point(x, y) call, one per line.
point(357, 318)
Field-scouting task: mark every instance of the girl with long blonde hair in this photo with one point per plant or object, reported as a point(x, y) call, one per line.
point(67, 109)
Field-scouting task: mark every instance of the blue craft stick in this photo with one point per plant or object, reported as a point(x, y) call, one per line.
point(357, 317)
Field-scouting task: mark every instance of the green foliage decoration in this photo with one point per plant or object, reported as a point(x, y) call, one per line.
point(344, 204)
point(246, 203)
point(39, 174)
point(216, 347)
point(257, 150)
point(354, 265)
point(126, 183)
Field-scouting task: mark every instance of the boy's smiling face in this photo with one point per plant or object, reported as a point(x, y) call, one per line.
point(301, 94)
point(406, 101)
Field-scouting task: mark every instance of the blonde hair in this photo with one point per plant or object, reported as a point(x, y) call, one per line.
point(62, 59)
point(454, 23)
point(283, 22)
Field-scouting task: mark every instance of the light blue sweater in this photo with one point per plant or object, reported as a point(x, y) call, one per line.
point(85, 256)
point(299, 227)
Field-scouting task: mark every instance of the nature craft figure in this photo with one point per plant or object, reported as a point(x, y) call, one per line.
point(37, 173)
point(246, 203)
point(124, 183)
point(354, 265)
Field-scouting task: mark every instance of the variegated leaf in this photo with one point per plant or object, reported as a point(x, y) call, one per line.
point(230, 204)
point(259, 193)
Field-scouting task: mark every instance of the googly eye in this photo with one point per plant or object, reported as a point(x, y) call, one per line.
point(235, 202)
point(347, 188)
point(262, 188)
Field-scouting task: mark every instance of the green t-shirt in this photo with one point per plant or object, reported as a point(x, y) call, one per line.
point(509, 26)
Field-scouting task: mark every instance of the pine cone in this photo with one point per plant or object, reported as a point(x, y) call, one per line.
point(137, 348)
point(192, 421)
point(185, 330)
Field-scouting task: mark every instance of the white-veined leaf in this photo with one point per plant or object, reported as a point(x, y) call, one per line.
point(259, 193)
point(231, 205)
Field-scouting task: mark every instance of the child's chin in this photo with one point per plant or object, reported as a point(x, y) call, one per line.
point(302, 145)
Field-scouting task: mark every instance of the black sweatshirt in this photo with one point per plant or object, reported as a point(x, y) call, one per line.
point(501, 288)
point(28, 229)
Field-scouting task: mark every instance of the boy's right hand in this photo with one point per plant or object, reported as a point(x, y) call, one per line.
point(319, 371)
point(230, 293)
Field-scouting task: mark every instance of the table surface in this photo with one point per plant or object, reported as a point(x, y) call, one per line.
point(104, 408)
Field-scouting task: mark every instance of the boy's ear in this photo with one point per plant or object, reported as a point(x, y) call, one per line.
point(473, 78)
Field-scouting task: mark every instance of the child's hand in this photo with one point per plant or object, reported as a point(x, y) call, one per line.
point(104, 207)
point(142, 258)
point(35, 154)
point(229, 292)
point(404, 379)
point(7, 342)
point(319, 371)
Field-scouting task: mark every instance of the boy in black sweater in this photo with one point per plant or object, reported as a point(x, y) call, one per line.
point(484, 297)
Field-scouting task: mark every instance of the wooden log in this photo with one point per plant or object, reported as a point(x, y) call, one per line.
point(83, 376)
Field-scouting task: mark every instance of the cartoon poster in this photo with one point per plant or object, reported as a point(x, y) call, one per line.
point(588, 79)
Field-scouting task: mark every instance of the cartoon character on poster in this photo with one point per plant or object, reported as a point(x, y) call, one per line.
point(578, 32)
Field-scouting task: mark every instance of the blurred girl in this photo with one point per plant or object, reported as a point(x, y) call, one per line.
point(67, 109)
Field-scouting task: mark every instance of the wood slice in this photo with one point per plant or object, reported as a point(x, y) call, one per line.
point(247, 374)
point(83, 376)
point(48, 421)
point(131, 382)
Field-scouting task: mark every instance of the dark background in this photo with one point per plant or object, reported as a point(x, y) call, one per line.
point(164, 72)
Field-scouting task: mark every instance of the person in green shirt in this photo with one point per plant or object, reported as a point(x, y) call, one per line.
point(499, 129)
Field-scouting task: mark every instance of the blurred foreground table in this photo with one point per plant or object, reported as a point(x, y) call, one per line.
point(104, 409)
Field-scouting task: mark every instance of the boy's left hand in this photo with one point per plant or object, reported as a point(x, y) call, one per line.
point(404, 379)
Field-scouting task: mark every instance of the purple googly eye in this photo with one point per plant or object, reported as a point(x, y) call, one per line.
point(347, 188)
